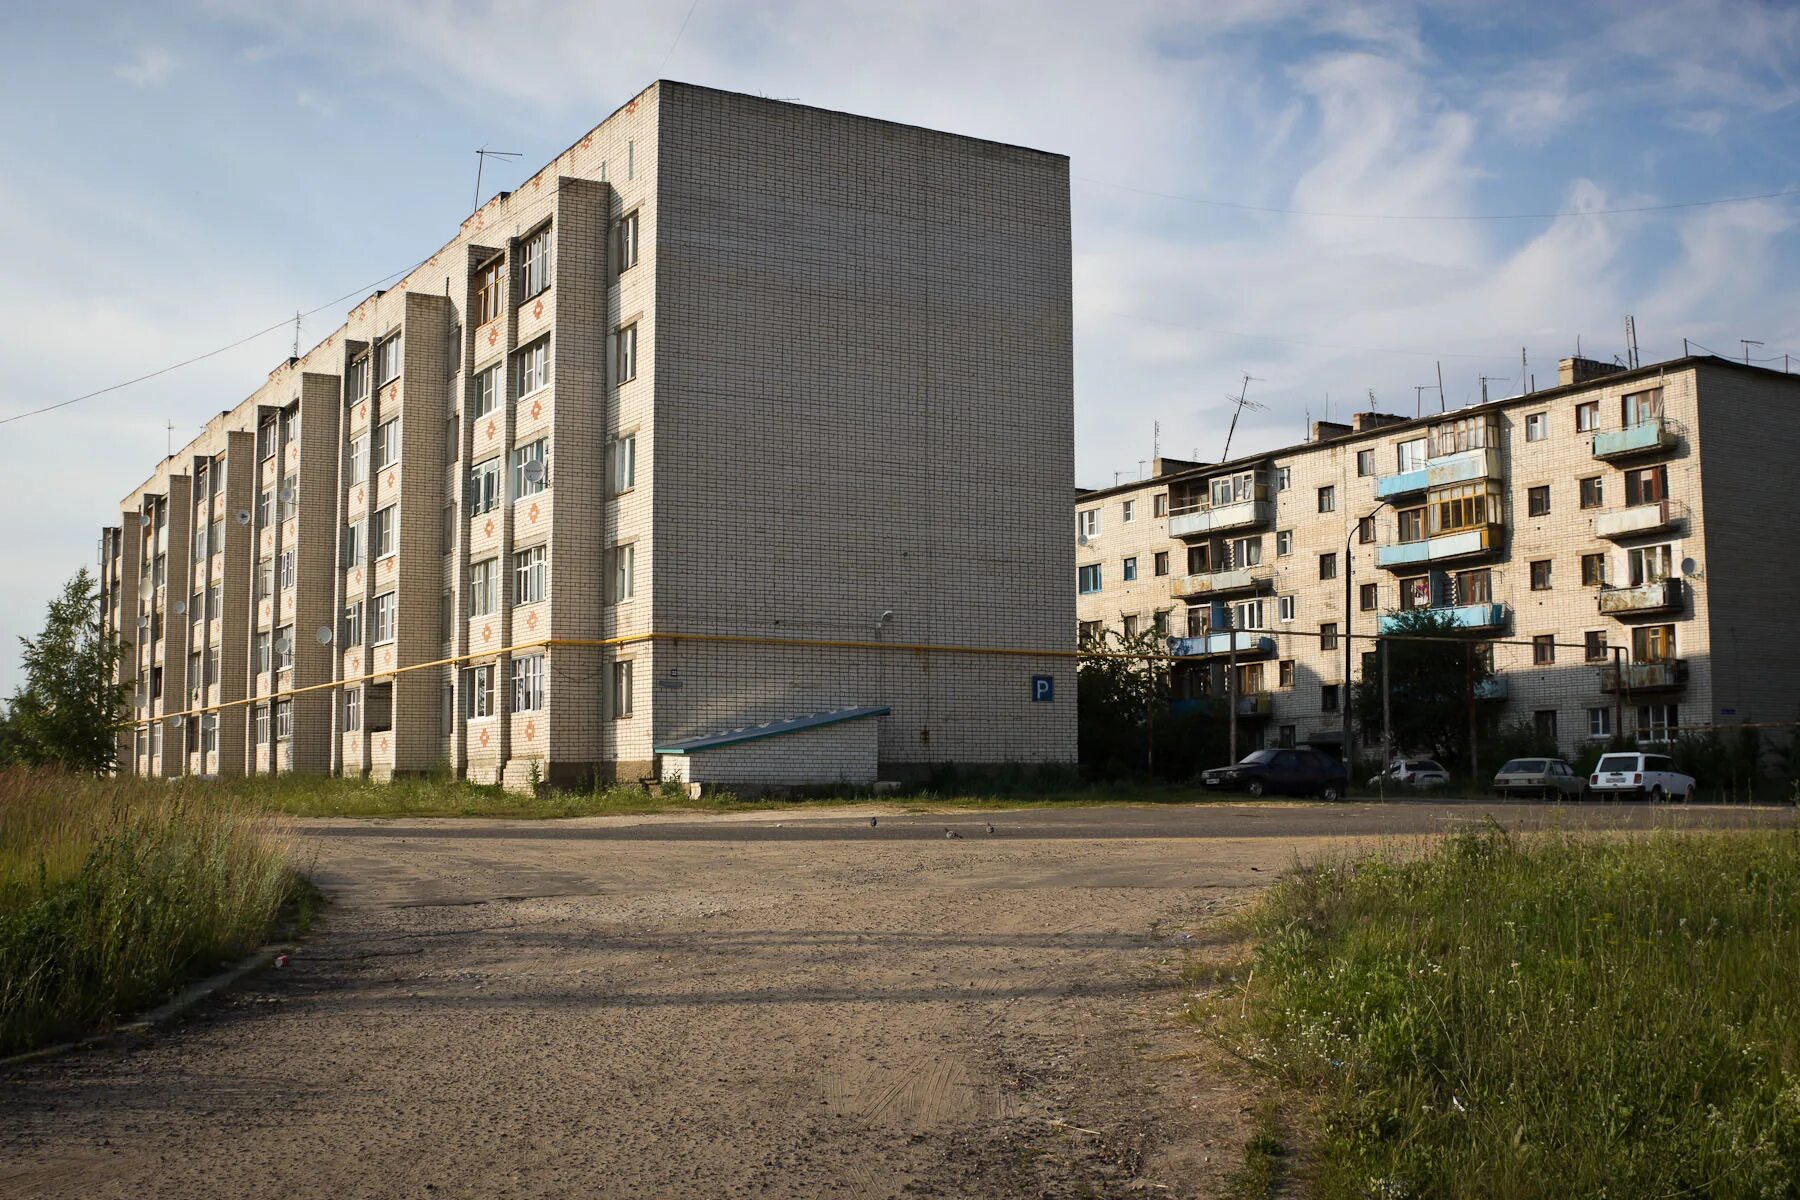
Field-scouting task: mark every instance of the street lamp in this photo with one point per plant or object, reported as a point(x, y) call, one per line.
point(1349, 588)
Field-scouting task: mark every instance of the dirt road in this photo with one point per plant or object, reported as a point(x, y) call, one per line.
point(768, 1006)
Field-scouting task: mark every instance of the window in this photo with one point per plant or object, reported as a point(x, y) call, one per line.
point(534, 366)
point(1411, 524)
point(535, 254)
point(624, 573)
point(1249, 680)
point(1537, 501)
point(1537, 426)
point(1284, 608)
point(1593, 491)
point(528, 683)
point(386, 609)
point(353, 624)
point(214, 597)
point(625, 241)
point(453, 348)
point(259, 725)
point(1087, 631)
point(1464, 433)
point(1328, 498)
point(490, 283)
point(1129, 571)
point(484, 587)
point(1284, 477)
point(447, 613)
point(529, 566)
point(387, 359)
point(1247, 614)
point(530, 468)
point(356, 380)
point(621, 689)
point(447, 534)
point(1369, 596)
point(1540, 575)
point(1328, 565)
point(446, 711)
point(1159, 504)
point(284, 720)
point(1328, 697)
point(621, 463)
point(1285, 673)
point(1129, 623)
point(484, 486)
point(1286, 737)
point(1230, 489)
point(480, 690)
point(1641, 408)
point(624, 354)
point(265, 578)
point(284, 569)
point(193, 671)
point(1647, 485)
point(1593, 570)
point(1160, 619)
point(1365, 462)
point(385, 451)
point(1128, 512)
point(1587, 416)
point(1284, 542)
point(1595, 645)
point(1410, 455)
point(452, 439)
point(284, 647)
point(265, 439)
point(353, 710)
point(1543, 649)
point(1544, 721)
point(381, 532)
point(1328, 636)
point(1465, 506)
point(1087, 579)
point(1365, 530)
point(356, 462)
point(265, 508)
point(1087, 523)
point(1599, 723)
point(1415, 593)
point(290, 497)
point(1244, 552)
point(484, 392)
point(1653, 643)
point(1657, 723)
point(199, 541)
point(355, 548)
point(265, 659)
point(290, 424)
point(1649, 564)
point(1161, 565)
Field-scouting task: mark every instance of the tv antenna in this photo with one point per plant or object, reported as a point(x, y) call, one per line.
point(481, 157)
point(1747, 343)
point(1239, 405)
point(1631, 346)
point(296, 353)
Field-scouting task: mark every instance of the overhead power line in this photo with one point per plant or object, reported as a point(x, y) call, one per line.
point(1277, 210)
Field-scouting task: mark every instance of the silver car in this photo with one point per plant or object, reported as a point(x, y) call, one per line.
point(1545, 778)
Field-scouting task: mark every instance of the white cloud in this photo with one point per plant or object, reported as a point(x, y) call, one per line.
point(151, 67)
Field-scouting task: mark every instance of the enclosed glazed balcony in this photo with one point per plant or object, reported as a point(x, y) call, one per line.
point(1639, 518)
point(1445, 547)
point(1463, 466)
point(1464, 616)
point(1660, 675)
point(1251, 643)
point(1659, 595)
point(1646, 437)
point(1218, 583)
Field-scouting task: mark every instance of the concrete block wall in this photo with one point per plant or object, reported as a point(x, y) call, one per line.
point(844, 753)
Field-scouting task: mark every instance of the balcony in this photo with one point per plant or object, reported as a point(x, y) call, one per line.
point(1250, 644)
point(1639, 518)
point(1650, 437)
point(1254, 704)
point(1662, 675)
point(1461, 467)
point(1201, 521)
point(1444, 548)
point(1492, 688)
point(1660, 595)
point(1464, 616)
point(1218, 583)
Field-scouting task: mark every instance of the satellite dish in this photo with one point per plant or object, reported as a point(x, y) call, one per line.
point(173, 722)
point(1689, 567)
point(323, 635)
point(533, 471)
point(180, 607)
point(243, 516)
point(144, 520)
point(1081, 539)
point(287, 494)
point(283, 645)
point(143, 622)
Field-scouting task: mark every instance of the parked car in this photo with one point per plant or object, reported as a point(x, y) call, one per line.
point(1412, 772)
point(1283, 772)
point(1641, 776)
point(1545, 778)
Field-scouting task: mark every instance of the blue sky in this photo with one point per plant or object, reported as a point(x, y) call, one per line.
point(176, 176)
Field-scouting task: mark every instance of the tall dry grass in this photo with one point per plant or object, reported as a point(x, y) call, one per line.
point(114, 891)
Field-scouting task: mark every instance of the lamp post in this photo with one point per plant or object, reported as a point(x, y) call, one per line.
point(1349, 641)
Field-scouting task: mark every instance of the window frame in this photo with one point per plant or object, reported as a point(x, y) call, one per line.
point(531, 574)
point(624, 349)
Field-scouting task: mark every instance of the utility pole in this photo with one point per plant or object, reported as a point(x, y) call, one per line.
point(1387, 711)
point(1618, 696)
point(1231, 685)
point(1349, 589)
point(1469, 698)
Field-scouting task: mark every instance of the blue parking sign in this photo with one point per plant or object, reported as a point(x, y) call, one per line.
point(1043, 688)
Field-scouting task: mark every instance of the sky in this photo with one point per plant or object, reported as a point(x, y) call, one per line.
point(1331, 198)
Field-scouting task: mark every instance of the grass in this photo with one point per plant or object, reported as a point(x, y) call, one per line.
point(113, 892)
point(1557, 1014)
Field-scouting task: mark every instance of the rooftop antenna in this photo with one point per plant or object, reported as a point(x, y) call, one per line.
point(1140, 468)
point(1631, 346)
point(1419, 390)
point(1240, 404)
point(296, 353)
point(1524, 372)
point(1487, 379)
point(481, 157)
point(1156, 439)
point(171, 441)
point(1442, 403)
point(1747, 344)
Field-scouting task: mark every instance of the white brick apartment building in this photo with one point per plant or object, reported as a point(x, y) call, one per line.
point(694, 431)
point(1637, 515)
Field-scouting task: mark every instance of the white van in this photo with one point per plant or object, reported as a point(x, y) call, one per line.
point(1640, 776)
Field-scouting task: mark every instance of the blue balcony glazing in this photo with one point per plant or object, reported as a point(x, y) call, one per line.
point(1645, 438)
point(1465, 616)
point(1483, 462)
point(1438, 549)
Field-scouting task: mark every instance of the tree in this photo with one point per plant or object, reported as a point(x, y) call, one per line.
point(1428, 685)
point(1127, 724)
point(70, 711)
